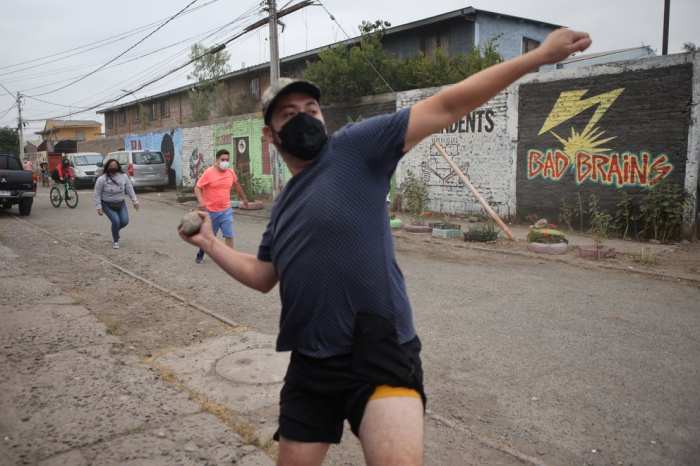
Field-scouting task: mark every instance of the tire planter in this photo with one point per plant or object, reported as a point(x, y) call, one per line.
point(396, 224)
point(255, 205)
point(418, 229)
point(548, 248)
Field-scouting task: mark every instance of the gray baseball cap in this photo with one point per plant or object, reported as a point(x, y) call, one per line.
point(282, 87)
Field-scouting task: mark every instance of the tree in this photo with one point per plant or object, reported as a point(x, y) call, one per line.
point(346, 73)
point(9, 140)
point(208, 95)
point(690, 47)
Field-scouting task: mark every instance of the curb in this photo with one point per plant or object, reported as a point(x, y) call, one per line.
point(569, 261)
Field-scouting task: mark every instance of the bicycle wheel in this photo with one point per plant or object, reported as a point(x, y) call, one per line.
point(71, 197)
point(55, 196)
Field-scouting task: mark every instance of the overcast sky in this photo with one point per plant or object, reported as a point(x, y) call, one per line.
point(38, 35)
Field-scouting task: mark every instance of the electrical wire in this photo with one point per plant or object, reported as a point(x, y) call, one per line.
point(7, 111)
point(164, 75)
point(117, 38)
point(137, 43)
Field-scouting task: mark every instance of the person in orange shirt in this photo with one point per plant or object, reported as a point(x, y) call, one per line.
point(213, 191)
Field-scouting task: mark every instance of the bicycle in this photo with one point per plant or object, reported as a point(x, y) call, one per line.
point(70, 196)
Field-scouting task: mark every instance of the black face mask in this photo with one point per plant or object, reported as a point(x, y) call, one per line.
point(65, 164)
point(112, 169)
point(303, 136)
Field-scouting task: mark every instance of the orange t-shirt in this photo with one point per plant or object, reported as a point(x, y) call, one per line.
point(216, 187)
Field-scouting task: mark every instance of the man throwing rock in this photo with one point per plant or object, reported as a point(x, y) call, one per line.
point(346, 317)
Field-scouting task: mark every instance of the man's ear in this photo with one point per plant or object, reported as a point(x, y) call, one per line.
point(267, 133)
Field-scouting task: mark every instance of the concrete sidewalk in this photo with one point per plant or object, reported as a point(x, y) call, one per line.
point(67, 400)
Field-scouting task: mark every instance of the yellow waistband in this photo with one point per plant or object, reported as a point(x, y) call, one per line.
point(386, 391)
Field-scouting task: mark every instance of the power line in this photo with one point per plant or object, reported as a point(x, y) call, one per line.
point(8, 111)
point(137, 43)
point(190, 61)
point(117, 38)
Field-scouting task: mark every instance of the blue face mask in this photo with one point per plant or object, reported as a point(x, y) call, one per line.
point(303, 136)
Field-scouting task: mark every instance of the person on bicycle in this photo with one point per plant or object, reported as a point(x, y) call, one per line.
point(65, 174)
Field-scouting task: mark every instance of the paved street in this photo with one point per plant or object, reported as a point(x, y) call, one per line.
point(562, 365)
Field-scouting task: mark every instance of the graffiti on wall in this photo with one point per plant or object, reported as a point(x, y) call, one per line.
point(197, 164)
point(169, 143)
point(601, 135)
point(583, 155)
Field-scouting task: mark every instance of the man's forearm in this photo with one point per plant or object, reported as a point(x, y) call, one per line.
point(243, 267)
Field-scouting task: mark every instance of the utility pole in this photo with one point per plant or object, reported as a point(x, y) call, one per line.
point(274, 46)
point(667, 14)
point(21, 124)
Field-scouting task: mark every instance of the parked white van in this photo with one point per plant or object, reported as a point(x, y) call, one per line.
point(84, 166)
point(146, 168)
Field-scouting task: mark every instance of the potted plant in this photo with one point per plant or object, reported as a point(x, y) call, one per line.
point(415, 195)
point(482, 232)
point(445, 229)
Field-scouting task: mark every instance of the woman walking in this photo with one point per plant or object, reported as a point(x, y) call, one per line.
point(109, 197)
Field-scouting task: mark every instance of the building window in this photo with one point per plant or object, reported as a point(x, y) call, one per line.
point(165, 108)
point(254, 88)
point(80, 135)
point(122, 117)
point(109, 120)
point(135, 114)
point(434, 41)
point(529, 45)
point(289, 72)
point(153, 110)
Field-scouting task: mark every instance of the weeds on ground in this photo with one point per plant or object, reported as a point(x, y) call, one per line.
point(646, 257)
point(113, 327)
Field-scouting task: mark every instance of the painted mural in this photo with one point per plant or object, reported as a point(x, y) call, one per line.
point(243, 140)
point(169, 143)
point(601, 136)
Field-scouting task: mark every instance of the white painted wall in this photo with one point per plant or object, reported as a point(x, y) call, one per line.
point(488, 158)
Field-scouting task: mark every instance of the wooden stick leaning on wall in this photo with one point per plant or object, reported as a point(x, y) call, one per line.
point(478, 196)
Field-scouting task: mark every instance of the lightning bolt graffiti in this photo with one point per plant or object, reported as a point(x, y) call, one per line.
point(568, 106)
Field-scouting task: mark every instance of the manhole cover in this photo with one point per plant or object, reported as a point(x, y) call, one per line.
point(254, 366)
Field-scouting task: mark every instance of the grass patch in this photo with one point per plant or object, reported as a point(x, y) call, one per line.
point(240, 426)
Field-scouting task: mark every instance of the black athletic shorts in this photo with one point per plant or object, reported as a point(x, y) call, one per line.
point(319, 394)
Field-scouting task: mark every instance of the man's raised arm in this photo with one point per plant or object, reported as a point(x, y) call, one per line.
point(443, 109)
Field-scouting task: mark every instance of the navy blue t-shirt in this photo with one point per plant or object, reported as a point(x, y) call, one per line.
point(330, 242)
